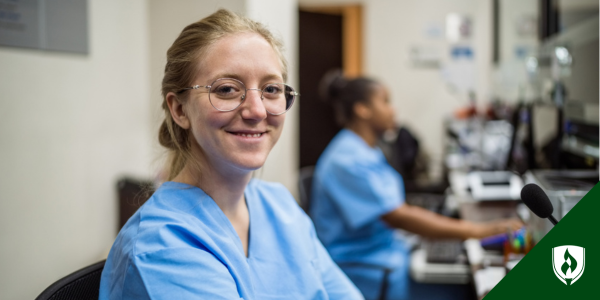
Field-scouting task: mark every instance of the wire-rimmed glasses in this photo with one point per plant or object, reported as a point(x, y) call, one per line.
point(227, 94)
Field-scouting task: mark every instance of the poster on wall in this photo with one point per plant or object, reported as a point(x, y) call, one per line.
point(19, 23)
point(57, 25)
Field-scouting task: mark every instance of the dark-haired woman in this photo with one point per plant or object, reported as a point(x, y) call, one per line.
point(211, 232)
point(358, 199)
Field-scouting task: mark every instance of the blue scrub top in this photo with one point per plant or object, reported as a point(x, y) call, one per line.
point(353, 187)
point(180, 245)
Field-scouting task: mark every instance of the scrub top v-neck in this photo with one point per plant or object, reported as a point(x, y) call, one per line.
point(180, 245)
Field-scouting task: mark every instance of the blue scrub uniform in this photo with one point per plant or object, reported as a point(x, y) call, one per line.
point(353, 187)
point(180, 245)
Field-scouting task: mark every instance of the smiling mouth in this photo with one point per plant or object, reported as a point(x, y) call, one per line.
point(248, 135)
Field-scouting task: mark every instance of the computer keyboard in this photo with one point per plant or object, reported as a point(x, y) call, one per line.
point(444, 251)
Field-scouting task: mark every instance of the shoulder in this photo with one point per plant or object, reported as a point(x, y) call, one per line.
point(348, 151)
point(172, 218)
point(177, 226)
point(346, 166)
point(159, 275)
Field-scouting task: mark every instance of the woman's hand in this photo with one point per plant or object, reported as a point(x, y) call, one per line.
point(428, 224)
point(482, 230)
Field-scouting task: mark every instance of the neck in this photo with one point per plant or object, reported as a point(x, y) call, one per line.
point(365, 132)
point(225, 186)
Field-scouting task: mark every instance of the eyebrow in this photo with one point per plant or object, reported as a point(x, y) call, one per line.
point(268, 77)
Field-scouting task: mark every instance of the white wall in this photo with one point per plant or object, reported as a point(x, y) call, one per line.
point(421, 96)
point(69, 126)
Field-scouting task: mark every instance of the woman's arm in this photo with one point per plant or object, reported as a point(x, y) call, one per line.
point(429, 224)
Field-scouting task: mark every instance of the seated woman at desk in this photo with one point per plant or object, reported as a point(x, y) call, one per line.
point(358, 199)
point(212, 232)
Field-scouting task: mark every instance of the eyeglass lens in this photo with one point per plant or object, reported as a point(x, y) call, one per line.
point(228, 94)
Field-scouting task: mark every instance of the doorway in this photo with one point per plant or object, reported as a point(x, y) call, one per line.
point(329, 38)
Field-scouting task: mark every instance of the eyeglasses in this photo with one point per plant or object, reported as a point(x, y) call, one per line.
point(227, 94)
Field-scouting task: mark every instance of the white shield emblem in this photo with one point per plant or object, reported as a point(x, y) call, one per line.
point(568, 263)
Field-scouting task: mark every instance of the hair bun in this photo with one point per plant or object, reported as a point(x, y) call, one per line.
point(331, 85)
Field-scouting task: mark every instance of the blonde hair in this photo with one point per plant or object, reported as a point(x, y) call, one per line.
point(181, 68)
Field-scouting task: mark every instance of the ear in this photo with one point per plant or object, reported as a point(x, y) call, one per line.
point(362, 111)
point(177, 112)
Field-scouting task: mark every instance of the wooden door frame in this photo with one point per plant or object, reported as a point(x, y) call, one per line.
point(352, 35)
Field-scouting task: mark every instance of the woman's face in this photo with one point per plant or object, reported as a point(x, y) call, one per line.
point(382, 112)
point(240, 139)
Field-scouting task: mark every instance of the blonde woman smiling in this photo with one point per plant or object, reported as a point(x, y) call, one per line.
point(211, 231)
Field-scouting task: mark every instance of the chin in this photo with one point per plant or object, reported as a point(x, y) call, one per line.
point(250, 162)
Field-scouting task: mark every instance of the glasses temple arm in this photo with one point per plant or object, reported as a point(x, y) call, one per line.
point(195, 87)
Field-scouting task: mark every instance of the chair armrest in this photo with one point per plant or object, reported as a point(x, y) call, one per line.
point(386, 274)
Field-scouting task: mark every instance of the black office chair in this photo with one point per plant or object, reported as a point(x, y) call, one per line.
point(79, 285)
point(305, 187)
point(386, 274)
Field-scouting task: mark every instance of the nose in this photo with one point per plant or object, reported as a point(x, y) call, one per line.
point(253, 107)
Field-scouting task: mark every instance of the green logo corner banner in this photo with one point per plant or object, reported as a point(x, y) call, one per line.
point(565, 264)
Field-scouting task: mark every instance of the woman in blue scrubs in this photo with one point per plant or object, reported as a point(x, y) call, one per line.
point(358, 199)
point(211, 231)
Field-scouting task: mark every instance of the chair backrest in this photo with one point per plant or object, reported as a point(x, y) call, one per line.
point(304, 185)
point(132, 194)
point(79, 285)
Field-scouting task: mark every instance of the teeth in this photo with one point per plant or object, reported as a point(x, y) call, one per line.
point(250, 135)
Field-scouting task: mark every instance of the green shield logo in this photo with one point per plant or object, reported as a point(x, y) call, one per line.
point(568, 263)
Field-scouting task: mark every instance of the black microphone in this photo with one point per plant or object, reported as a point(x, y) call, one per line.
point(538, 202)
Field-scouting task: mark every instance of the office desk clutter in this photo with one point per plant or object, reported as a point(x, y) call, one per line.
point(564, 189)
point(494, 185)
point(535, 140)
point(492, 257)
point(477, 143)
point(440, 262)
